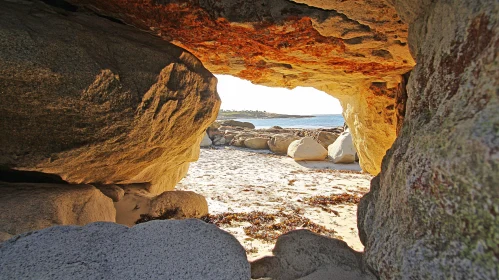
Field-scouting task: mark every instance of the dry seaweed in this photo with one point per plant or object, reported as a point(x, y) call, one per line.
point(334, 199)
point(168, 214)
point(266, 226)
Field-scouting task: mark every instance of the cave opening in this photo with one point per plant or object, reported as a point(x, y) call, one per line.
point(256, 187)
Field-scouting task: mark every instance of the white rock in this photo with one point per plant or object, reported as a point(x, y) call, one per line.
point(342, 150)
point(306, 149)
point(173, 249)
point(206, 142)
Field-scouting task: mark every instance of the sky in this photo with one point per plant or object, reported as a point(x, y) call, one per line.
point(238, 94)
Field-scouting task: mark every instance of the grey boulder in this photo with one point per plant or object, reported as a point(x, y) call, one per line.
point(302, 254)
point(186, 249)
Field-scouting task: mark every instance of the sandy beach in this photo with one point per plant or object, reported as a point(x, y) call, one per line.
point(280, 190)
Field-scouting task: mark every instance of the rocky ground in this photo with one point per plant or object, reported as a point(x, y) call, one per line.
point(256, 195)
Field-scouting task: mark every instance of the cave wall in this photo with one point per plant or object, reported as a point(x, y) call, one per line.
point(371, 115)
point(97, 101)
point(340, 47)
point(432, 213)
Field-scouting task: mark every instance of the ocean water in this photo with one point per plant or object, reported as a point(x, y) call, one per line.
point(319, 121)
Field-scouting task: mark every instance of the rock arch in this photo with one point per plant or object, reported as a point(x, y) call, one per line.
point(432, 211)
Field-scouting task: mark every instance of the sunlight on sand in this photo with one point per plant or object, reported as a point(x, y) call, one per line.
point(241, 180)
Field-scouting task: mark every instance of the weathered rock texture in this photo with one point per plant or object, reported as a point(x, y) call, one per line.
point(30, 206)
point(341, 47)
point(188, 249)
point(302, 254)
point(433, 211)
point(94, 100)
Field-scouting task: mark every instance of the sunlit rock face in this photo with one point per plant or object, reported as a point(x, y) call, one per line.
point(97, 101)
point(432, 213)
point(340, 47)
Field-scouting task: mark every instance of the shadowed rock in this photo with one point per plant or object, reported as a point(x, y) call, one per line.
point(302, 254)
point(188, 249)
point(93, 100)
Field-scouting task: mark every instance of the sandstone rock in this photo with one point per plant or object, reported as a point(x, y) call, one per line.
point(233, 123)
point(187, 249)
point(23, 176)
point(433, 214)
point(257, 143)
point(372, 120)
point(365, 41)
point(276, 127)
point(213, 132)
point(206, 142)
point(30, 206)
point(135, 202)
point(234, 128)
point(96, 100)
point(238, 139)
point(302, 254)
point(326, 138)
point(306, 149)
point(4, 236)
point(180, 204)
point(279, 143)
point(114, 192)
point(342, 150)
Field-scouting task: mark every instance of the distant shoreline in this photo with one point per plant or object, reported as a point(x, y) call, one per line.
point(231, 115)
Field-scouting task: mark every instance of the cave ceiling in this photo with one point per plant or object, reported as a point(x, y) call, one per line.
point(325, 44)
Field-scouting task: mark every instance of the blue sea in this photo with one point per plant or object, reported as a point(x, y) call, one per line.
point(319, 121)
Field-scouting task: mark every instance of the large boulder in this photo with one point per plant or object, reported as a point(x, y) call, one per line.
point(234, 123)
point(342, 150)
point(179, 204)
point(279, 143)
point(257, 143)
point(238, 139)
point(306, 149)
point(96, 100)
point(302, 254)
point(31, 206)
point(433, 211)
point(186, 249)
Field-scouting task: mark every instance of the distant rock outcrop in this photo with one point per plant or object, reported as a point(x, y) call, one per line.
point(234, 123)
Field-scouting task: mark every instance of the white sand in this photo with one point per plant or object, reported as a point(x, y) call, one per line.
point(242, 180)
